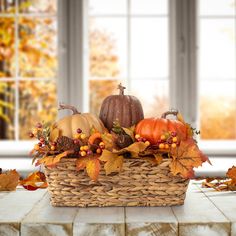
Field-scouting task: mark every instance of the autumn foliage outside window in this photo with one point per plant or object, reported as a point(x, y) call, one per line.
point(28, 61)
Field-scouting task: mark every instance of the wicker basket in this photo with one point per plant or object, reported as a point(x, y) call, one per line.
point(138, 184)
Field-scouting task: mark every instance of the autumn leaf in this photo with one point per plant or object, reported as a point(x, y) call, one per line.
point(113, 161)
point(91, 164)
point(158, 158)
point(231, 173)
point(180, 117)
point(130, 131)
point(108, 140)
point(34, 181)
point(54, 133)
point(185, 158)
point(134, 149)
point(9, 180)
point(51, 161)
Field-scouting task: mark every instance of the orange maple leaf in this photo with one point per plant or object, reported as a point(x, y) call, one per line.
point(9, 180)
point(231, 173)
point(51, 161)
point(113, 161)
point(185, 158)
point(91, 164)
point(34, 181)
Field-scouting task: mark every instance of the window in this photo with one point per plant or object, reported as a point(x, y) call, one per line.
point(28, 65)
point(217, 69)
point(129, 43)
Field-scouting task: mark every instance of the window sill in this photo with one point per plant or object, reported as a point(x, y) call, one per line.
point(15, 149)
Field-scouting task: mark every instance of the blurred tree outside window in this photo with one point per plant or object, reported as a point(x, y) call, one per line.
point(28, 65)
point(217, 69)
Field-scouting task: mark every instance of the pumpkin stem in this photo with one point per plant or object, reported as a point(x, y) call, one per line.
point(121, 88)
point(171, 112)
point(63, 106)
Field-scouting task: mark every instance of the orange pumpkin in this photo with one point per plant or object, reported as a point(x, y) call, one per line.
point(152, 128)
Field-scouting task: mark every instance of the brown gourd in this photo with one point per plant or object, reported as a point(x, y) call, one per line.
point(68, 125)
point(124, 109)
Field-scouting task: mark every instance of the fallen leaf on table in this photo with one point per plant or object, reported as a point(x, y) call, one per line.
point(9, 180)
point(34, 181)
point(113, 161)
point(91, 164)
point(231, 173)
point(185, 158)
point(222, 184)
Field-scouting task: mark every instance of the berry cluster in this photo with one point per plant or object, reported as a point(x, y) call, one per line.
point(168, 140)
point(79, 136)
point(141, 139)
point(41, 133)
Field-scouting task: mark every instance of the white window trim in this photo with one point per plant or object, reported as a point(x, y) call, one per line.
point(73, 68)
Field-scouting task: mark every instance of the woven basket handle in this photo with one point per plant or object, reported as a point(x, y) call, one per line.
point(170, 112)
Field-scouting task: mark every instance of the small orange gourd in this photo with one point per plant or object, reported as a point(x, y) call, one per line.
point(153, 128)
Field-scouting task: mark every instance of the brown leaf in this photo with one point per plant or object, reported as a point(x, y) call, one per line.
point(113, 161)
point(130, 131)
point(185, 158)
point(134, 149)
point(231, 173)
point(34, 181)
point(91, 164)
point(9, 180)
point(51, 161)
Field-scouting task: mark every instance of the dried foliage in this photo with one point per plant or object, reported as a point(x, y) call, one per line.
point(222, 184)
point(9, 180)
point(34, 181)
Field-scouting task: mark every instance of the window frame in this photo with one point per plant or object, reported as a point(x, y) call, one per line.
point(73, 68)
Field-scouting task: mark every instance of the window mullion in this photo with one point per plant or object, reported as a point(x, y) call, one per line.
point(183, 58)
point(17, 97)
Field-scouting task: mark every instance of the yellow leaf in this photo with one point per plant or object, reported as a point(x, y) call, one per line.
point(54, 134)
point(91, 164)
point(51, 161)
point(180, 118)
point(107, 138)
point(114, 162)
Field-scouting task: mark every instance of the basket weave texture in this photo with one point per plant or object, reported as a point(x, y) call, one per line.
point(138, 184)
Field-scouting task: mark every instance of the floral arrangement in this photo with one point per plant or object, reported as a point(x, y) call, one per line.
point(121, 132)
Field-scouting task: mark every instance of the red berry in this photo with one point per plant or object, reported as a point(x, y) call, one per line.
point(31, 135)
point(76, 141)
point(54, 143)
point(40, 144)
point(169, 141)
point(79, 130)
point(89, 152)
point(173, 134)
point(39, 125)
point(139, 139)
point(41, 140)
